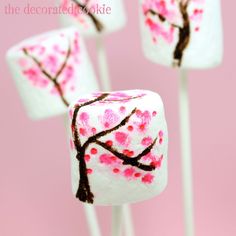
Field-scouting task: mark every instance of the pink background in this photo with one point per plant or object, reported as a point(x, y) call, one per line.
point(35, 191)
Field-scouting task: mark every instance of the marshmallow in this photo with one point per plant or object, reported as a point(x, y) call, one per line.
point(182, 33)
point(93, 17)
point(50, 71)
point(118, 144)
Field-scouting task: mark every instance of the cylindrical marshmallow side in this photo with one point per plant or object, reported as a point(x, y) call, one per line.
point(118, 188)
point(109, 14)
point(160, 38)
point(38, 93)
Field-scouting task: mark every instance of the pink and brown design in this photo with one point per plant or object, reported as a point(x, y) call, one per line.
point(180, 30)
point(50, 70)
point(118, 146)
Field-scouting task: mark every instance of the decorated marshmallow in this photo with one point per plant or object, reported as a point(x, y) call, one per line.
point(118, 147)
point(50, 71)
point(182, 33)
point(93, 17)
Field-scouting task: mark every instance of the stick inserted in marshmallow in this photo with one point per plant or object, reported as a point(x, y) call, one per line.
point(118, 147)
point(182, 33)
point(50, 70)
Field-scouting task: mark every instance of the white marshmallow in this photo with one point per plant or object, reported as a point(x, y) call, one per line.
point(162, 23)
point(108, 132)
point(36, 62)
point(98, 22)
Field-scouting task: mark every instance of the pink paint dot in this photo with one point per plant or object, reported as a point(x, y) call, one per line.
point(197, 29)
point(122, 109)
point(128, 153)
point(138, 113)
point(106, 124)
point(89, 171)
point(94, 151)
point(137, 175)
point(82, 131)
point(147, 141)
point(109, 143)
point(87, 158)
point(121, 138)
point(107, 159)
point(129, 172)
point(147, 179)
point(84, 116)
point(130, 128)
point(154, 113)
point(160, 140)
point(94, 130)
point(116, 170)
point(161, 134)
point(142, 127)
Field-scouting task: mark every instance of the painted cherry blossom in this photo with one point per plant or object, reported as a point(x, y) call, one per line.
point(168, 19)
point(52, 65)
point(111, 141)
point(82, 11)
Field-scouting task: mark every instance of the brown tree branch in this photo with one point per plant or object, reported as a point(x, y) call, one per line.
point(133, 161)
point(99, 26)
point(39, 64)
point(94, 138)
point(50, 77)
point(161, 18)
point(64, 63)
point(184, 34)
point(76, 111)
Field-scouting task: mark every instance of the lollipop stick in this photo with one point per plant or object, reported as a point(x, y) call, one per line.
point(128, 223)
point(102, 64)
point(92, 220)
point(186, 154)
point(117, 219)
point(89, 210)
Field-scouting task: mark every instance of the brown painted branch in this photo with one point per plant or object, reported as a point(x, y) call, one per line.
point(129, 160)
point(99, 26)
point(145, 151)
point(50, 77)
point(64, 63)
point(161, 18)
point(38, 63)
point(94, 138)
point(184, 34)
point(84, 193)
point(76, 111)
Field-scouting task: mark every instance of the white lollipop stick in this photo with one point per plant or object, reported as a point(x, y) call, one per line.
point(186, 154)
point(128, 222)
point(117, 220)
point(102, 64)
point(92, 221)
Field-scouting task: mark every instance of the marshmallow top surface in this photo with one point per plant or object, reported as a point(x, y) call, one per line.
point(50, 70)
point(93, 17)
point(118, 147)
point(183, 33)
